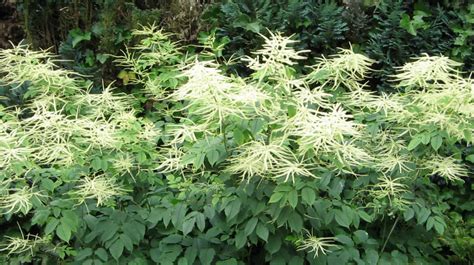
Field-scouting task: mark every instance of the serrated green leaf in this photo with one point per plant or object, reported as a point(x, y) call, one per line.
point(276, 197)
point(470, 158)
point(231, 261)
point(262, 231)
point(292, 197)
point(206, 256)
point(295, 222)
point(116, 249)
point(414, 142)
point(308, 195)
point(212, 157)
point(342, 218)
point(408, 214)
point(188, 225)
point(102, 254)
point(51, 225)
point(436, 142)
point(240, 239)
point(63, 232)
point(200, 221)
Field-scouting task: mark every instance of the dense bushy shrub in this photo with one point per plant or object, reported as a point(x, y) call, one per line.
point(390, 32)
point(199, 167)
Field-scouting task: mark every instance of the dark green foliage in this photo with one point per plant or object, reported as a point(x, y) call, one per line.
point(391, 44)
point(212, 217)
point(391, 32)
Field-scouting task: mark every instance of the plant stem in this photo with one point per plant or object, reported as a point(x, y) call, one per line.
point(390, 233)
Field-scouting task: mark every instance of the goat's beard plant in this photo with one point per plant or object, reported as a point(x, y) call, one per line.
point(321, 145)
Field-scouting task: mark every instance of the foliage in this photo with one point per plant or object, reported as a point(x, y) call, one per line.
point(390, 32)
point(197, 166)
point(87, 33)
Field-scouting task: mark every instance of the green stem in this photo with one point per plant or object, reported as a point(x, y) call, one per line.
point(390, 233)
point(222, 129)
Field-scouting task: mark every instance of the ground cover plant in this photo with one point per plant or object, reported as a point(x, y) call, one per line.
point(198, 166)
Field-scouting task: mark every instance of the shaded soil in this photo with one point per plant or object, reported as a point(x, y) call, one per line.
point(11, 29)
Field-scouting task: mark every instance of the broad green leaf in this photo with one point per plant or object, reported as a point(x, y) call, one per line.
point(250, 226)
point(308, 195)
point(276, 197)
point(200, 221)
point(83, 254)
point(116, 249)
point(212, 157)
point(53, 222)
point(422, 215)
point(262, 231)
point(240, 239)
point(293, 198)
point(360, 236)
point(232, 209)
point(273, 244)
point(407, 24)
point(470, 158)
point(295, 222)
point(345, 240)
point(231, 261)
point(439, 227)
point(109, 230)
point(365, 216)
point(63, 232)
point(102, 254)
point(436, 142)
point(408, 214)
point(372, 256)
point(342, 218)
point(415, 141)
point(206, 256)
point(188, 225)
point(178, 216)
point(78, 35)
point(430, 223)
